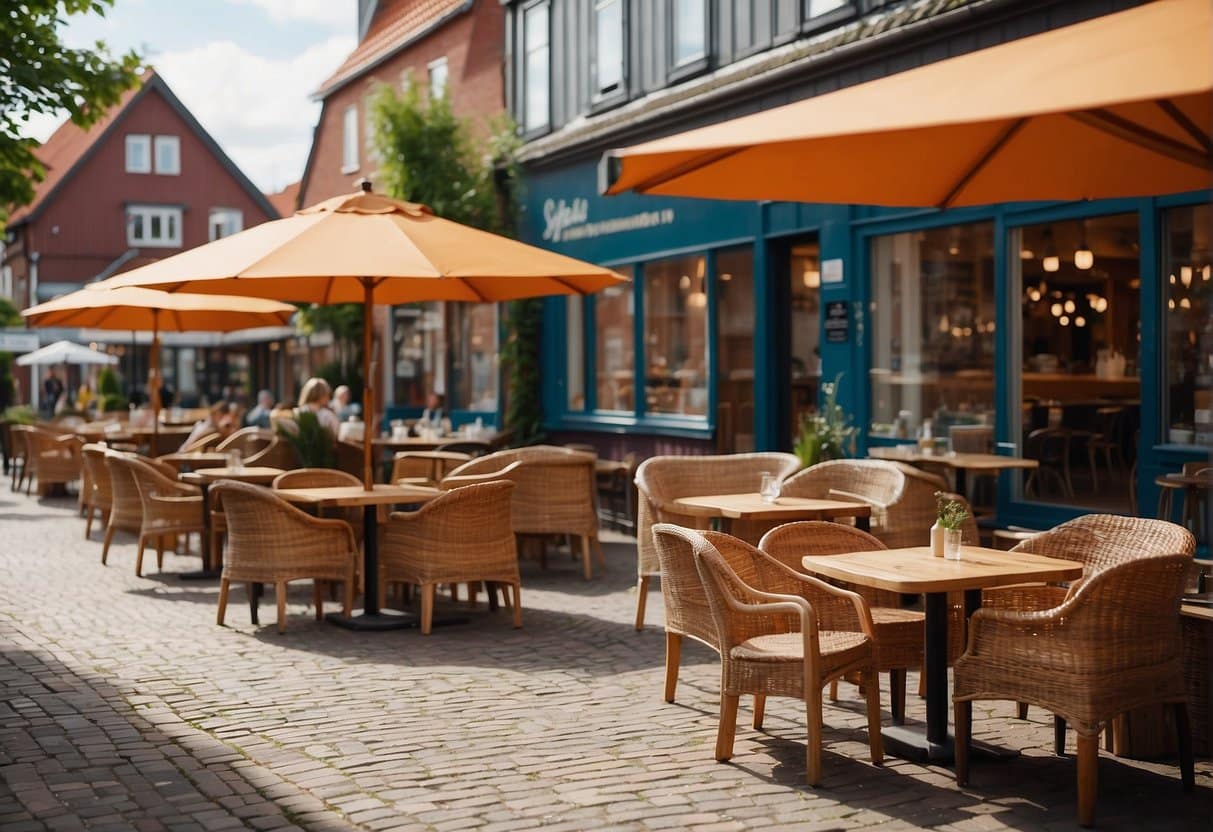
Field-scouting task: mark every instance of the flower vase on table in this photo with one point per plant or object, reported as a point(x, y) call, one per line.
point(947, 533)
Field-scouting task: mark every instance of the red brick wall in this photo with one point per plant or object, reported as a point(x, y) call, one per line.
point(82, 229)
point(473, 43)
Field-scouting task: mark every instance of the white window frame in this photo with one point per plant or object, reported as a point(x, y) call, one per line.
point(529, 126)
point(159, 145)
point(233, 219)
point(146, 213)
point(610, 90)
point(349, 139)
point(445, 75)
point(137, 140)
point(705, 46)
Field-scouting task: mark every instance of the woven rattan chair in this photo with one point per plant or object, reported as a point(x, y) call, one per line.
point(271, 541)
point(277, 454)
point(426, 467)
point(95, 486)
point(206, 442)
point(462, 536)
point(51, 459)
point(248, 441)
point(554, 493)
point(169, 507)
point(780, 643)
point(660, 480)
point(1112, 645)
point(898, 632)
point(126, 507)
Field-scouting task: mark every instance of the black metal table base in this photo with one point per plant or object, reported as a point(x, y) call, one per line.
point(379, 621)
point(200, 575)
point(911, 743)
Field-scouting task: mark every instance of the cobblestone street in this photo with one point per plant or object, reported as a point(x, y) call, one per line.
point(125, 707)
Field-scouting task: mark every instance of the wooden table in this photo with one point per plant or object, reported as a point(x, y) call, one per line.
point(785, 509)
point(195, 460)
point(437, 460)
point(413, 443)
point(960, 463)
point(203, 478)
point(916, 571)
point(348, 496)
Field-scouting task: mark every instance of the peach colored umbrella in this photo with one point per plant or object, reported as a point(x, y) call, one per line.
point(1117, 106)
point(368, 248)
point(98, 307)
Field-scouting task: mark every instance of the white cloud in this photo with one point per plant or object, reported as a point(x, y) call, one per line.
point(258, 109)
point(326, 12)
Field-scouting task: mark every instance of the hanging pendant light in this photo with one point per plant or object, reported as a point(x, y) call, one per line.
point(1084, 258)
point(1050, 262)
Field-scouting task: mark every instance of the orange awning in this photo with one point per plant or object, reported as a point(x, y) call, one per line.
point(1112, 107)
point(97, 307)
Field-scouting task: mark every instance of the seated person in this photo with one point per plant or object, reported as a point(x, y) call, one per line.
point(433, 414)
point(315, 398)
point(260, 415)
point(341, 404)
point(209, 425)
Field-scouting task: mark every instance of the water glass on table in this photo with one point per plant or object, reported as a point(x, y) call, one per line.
point(235, 461)
point(769, 488)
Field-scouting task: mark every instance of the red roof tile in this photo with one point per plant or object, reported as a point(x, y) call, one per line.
point(395, 23)
point(286, 201)
point(67, 146)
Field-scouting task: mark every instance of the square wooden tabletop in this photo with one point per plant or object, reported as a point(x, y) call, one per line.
point(915, 570)
point(970, 462)
point(256, 474)
point(753, 507)
point(356, 495)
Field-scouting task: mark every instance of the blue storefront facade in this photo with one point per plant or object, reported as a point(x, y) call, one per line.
point(1078, 334)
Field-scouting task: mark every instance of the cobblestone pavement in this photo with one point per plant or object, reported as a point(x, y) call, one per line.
point(123, 706)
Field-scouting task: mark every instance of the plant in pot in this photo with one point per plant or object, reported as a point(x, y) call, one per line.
point(826, 433)
point(948, 531)
point(313, 443)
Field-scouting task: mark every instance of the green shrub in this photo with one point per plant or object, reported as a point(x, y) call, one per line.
point(314, 444)
point(20, 414)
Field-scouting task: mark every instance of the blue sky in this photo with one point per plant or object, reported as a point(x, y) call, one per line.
point(245, 68)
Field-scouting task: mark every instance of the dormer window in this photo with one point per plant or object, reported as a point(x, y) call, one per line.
point(138, 153)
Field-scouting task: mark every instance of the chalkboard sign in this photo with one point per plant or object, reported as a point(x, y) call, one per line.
point(838, 322)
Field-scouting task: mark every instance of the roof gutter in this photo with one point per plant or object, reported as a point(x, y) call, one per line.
point(416, 35)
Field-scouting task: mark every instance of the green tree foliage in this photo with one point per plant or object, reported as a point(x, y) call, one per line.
point(41, 75)
point(344, 321)
point(429, 155)
point(9, 316)
point(109, 391)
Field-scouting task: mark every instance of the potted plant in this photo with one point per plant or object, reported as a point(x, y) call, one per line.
point(947, 533)
point(826, 433)
point(313, 443)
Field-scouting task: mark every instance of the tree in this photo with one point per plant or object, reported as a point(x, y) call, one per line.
point(9, 316)
point(427, 154)
point(40, 75)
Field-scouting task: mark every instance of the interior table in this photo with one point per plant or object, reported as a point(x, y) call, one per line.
point(916, 571)
point(439, 462)
point(203, 477)
point(721, 507)
point(962, 464)
point(349, 496)
point(1196, 489)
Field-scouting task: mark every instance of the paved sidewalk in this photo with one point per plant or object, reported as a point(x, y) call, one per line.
point(123, 706)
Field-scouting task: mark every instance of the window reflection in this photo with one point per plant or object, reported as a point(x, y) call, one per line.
point(1188, 274)
point(675, 329)
point(804, 277)
point(932, 329)
point(614, 353)
point(735, 350)
point(449, 349)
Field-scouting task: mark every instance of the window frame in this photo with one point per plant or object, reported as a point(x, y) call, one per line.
point(818, 23)
point(446, 75)
point(766, 38)
point(163, 141)
point(528, 132)
point(223, 212)
point(147, 211)
point(348, 166)
point(779, 38)
point(138, 138)
point(680, 71)
point(601, 99)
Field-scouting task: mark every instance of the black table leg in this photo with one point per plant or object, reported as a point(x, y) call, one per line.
point(864, 523)
point(209, 569)
point(909, 742)
point(962, 482)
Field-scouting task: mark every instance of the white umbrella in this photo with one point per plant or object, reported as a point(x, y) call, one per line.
point(65, 352)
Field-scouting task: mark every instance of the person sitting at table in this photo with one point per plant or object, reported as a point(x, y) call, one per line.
point(259, 416)
point(208, 425)
point(341, 404)
point(315, 398)
point(432, 415)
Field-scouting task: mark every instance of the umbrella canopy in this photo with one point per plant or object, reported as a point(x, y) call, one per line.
point(65, 352)
point(1111, 107)
point(368, 248)
point(130, 307)
point(329, 252)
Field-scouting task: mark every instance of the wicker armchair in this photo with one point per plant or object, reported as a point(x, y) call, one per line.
point(169, 507)
point(660, 480)
point(206, 442)
point(51, 459)
point(126, 507)
point(271, 541)
point(554, 493)
point(898, 633)
point(780, 643)
point(95, 488)
point(248, 441)
point(324, 478)
point(426, 467)
point(277, 454)
point(1113, 645)
point(463, 535)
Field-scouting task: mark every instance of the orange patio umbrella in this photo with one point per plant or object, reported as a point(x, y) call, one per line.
point(98, 307)
point(1117, 106)
point(368, 248)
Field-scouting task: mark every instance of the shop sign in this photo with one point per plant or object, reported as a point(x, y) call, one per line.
point(838, 322)
point(568, 220)
point(831, 271)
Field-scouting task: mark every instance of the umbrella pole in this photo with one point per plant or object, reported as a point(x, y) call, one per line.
point(368, 385)
point(153, 380)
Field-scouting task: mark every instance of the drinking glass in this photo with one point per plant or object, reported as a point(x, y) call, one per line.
point(234, 460)
point(951, 543)
point(770, 488)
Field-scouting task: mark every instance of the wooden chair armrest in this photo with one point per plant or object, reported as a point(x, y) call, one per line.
point(449, 483)
point(863, 615)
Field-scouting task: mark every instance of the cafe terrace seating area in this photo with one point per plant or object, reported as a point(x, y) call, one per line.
point(814, 584)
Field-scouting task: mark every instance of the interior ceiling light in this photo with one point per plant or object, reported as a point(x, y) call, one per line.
point(1206, 273)
point(684, 282)
point(1064, 320)
point(1026, 254)
point(1185, 276)
point(812, 278)
point(697, 300)
point(1084, 258)
point(1055, 310)
point(1080, 321)
point(1069, 306)
point(1051, 263)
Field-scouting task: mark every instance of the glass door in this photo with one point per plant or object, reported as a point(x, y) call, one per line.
point(804, 330)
